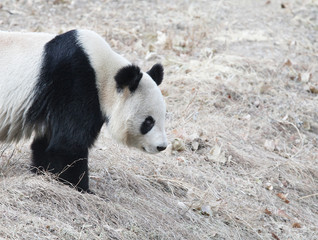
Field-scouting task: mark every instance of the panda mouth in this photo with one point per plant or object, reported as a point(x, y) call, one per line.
point(145, 150)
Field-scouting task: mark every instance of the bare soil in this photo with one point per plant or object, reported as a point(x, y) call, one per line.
point(241, 87)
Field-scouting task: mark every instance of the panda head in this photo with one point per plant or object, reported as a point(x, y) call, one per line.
point(138, 118)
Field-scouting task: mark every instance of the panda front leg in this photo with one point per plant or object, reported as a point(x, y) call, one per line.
point(68, 163)
point(39, 156)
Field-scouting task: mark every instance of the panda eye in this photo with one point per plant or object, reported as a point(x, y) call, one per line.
point(147, 125)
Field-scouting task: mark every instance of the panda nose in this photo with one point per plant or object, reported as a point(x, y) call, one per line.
point(161, 148)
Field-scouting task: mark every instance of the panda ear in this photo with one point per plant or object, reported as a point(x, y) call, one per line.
point(128, 76)
point(156, 73)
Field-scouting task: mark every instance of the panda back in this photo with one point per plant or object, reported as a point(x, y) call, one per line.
point(20, 63)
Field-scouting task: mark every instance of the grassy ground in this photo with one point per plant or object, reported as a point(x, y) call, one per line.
point(241, 88)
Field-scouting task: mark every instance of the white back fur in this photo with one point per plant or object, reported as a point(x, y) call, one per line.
point(20, 59)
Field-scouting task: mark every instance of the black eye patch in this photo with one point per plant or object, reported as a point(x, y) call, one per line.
point(147, 125)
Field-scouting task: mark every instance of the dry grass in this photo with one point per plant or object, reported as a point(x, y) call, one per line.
point(240, 87)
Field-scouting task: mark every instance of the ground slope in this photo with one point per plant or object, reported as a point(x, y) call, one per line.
point(241, 87)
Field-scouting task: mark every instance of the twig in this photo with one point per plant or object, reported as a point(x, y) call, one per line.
point(308, 196)
point(301, 139)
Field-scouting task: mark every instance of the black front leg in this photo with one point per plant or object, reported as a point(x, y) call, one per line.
point(70, 165)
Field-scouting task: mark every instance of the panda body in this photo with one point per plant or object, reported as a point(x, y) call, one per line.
point(63, 88)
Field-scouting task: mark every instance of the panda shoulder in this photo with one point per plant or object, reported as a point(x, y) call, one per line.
point(99, 51)
point(90, 39)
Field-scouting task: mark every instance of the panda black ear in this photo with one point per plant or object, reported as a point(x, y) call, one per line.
point(156, 73)
point(128, 76)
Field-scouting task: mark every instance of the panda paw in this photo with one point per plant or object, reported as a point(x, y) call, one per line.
point(90, 192)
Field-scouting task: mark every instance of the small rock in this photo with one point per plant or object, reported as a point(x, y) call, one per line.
point(269, 145)
point(161, 38)
point(269, 186)
point(198, 144)
point(305, 77)
point(195, 146)
point(178, 145)
point(246, 117)
point(217, 155)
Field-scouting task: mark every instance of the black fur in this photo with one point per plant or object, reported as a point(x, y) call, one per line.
point(147, 125)
point(66, 103)
point(128, 76)
point(156, 73)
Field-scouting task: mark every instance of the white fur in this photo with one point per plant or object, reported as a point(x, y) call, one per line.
point(20, 59)
point(127, 111)
point(146, 101)
point(20, 62)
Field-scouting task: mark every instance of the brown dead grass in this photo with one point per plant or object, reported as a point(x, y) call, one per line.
point(239, 81)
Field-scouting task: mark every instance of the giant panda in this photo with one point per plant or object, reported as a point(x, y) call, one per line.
point(62, 88)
